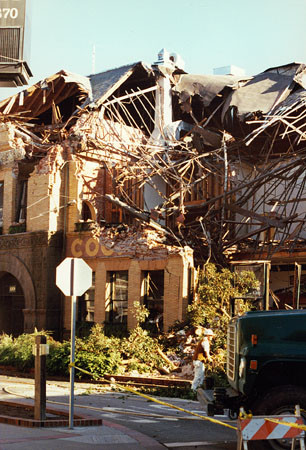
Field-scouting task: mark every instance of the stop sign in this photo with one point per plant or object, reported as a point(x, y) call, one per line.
point(73, 276)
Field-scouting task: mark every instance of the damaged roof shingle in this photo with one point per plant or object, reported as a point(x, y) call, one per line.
point(264, 91)
point(105, 83)
point(206, 86)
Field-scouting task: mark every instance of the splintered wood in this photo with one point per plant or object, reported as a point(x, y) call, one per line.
point(216, 192)
point(233, 198)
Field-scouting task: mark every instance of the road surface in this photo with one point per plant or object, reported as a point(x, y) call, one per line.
point(174, 429)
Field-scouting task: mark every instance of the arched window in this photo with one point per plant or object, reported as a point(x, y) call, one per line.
point(88, 212)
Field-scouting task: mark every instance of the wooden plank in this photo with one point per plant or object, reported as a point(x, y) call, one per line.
point(246, 236)
point(261, 218)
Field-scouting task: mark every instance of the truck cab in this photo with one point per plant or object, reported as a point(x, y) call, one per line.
point(266, 358)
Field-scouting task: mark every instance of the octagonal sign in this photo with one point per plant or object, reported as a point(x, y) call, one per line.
point(73, 276)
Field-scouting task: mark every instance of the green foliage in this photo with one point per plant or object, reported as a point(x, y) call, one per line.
point(17, 228)
point(57, 362)
point(17, 352)
point(141, 313)
point(211, 309)
point(142, 350)
point(215, 291)
point(139, 347)
point(98, 353)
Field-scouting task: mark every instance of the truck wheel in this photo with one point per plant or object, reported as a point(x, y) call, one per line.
point(278, 401)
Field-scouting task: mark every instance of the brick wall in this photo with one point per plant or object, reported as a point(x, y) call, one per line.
point(175, 286)
point(100, 292)
point(134, 292)
point(173, 282)
point(38, 203)
point(36, 254)
point(8, 198)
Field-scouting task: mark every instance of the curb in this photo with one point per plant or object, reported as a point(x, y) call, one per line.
point(78, 419)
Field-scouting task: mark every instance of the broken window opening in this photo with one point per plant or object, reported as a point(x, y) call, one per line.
point(116, 305)
point(21, 204)
point(153, 297)
point(127, 191)
point(137, 113)
point(87, 211)
point(190, 285)
point(86, 309)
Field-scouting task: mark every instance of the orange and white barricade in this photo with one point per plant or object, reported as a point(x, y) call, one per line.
point(287, 426)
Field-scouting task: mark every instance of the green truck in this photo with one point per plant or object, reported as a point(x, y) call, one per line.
point(266, 366)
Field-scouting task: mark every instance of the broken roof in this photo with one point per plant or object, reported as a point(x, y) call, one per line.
point(38, 98)
point(105, 83)
point(247, 95)
point(266, 90)
point(206, 86)
point(266, 111)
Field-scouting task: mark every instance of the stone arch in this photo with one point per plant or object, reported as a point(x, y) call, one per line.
point(12, 305)
point(14, 265)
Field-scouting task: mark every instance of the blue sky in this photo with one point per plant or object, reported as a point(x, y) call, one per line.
point(254, 35)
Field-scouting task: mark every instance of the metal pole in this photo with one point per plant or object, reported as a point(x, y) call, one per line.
point(299, 273)
point(72, 358)
point(72, 344)
point(267, 285)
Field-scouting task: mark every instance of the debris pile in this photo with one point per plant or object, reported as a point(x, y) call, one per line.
point(227, 173)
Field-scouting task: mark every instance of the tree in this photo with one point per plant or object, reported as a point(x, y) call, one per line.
point(216, 288)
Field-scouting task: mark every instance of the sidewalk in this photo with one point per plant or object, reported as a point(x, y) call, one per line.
point(107, 436)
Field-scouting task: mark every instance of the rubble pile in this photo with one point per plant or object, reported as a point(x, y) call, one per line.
point(226, 174)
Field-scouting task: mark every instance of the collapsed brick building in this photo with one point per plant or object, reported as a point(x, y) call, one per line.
point(147, 172)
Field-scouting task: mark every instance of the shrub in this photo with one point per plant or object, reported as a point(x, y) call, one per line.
point(17, 352)
point(98, 354)
point(140, 347)
point(57, 362)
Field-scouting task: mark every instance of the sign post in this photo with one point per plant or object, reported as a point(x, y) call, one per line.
point(73, 277)
point(40, 351)
point(72, 356)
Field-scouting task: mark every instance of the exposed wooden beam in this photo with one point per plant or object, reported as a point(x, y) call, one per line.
point(140, 215)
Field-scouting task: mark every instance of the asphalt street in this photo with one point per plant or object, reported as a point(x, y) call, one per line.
point(172, 428)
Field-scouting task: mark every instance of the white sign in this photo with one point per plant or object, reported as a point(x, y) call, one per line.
point(12, 13)
point(73, 276)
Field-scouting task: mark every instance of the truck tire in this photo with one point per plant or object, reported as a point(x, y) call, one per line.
point(278, 401)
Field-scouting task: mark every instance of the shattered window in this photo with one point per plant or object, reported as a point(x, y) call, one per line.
point(117, 297)
point(1, 202)
point(153, 298)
